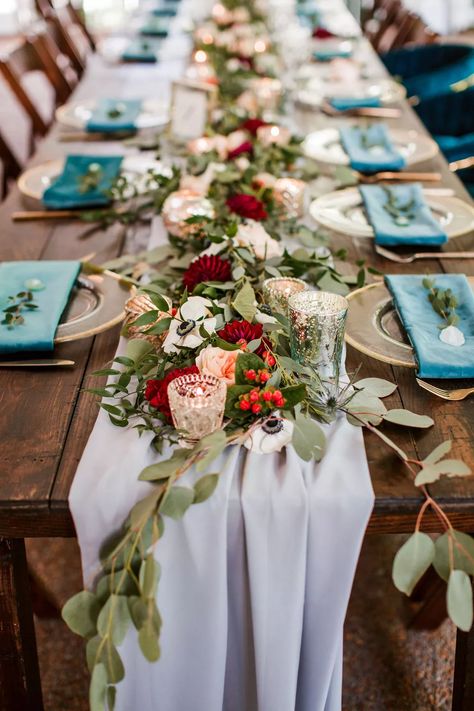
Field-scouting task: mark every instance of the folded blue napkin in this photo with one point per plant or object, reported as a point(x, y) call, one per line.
point(155, 27)
point(435, 359)
point(65, 193)
point(422, 228)
point(325, 55)
point(165, 11)
point(342, 103)
point(39, 327)
point(111, 115)
point(141, 50)
point(370, 149)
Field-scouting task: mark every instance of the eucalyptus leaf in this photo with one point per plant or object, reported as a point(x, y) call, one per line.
point(98, 688)
point(407, 418)
point(205, 487)
point(144, 508)
point(137, 348)
point(80, 613)
point(459, 599)
point(111, 696)
point(376, 386)
point(309, 440)
point(462, 559)
point(446, 467)
point(114, 618)
point(215, 444)
point(412, 561)
point(112, 662)
point(177, 501)
point(166, 468)
point(148, 641)
point(439, 452)
point(92, 649)
point(149, 576)
point(244, 302)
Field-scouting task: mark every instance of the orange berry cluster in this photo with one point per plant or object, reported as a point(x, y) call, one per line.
point(260, 400)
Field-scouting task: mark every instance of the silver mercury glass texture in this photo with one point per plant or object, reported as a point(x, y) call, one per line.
point(277, 291)
point(197, 404)
point(317, 324)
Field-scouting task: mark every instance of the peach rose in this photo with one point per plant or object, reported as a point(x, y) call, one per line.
point(218, 362)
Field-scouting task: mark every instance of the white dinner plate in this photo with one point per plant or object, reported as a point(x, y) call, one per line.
point(76, 114)
point(33, 182)
point(343, 211)
point(325, 146)
point(317, 90)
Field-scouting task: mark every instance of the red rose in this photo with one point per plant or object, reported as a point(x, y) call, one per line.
point(206, 268)
point(321, 33)
point(245, 147)
point(156, 391)
point(247, 206)
point(252, 125)
point(242, 332)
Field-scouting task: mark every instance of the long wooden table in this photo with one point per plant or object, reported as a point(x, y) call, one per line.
point(46, 416)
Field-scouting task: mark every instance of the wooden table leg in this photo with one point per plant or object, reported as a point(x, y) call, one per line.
point(463, 687)
point(20, 686)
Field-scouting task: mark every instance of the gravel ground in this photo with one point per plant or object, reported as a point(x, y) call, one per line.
point(387, 668)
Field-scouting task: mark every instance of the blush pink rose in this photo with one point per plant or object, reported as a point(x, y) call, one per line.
point(218, 362)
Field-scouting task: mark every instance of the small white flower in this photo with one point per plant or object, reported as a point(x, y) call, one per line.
point(452, 335)
point(201, 183)
point(271, 436)
point(184, 328)
point(252, 234)
point(242, 163)
point(235, 139)
point(261, 317)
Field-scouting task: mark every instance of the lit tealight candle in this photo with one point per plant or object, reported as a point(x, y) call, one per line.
point(260, 46)
point(278, 135)
point(277, 291)
point(197, 404)
point(290, 193)
point(200, 56)
point(267, 91)
point(201, 145)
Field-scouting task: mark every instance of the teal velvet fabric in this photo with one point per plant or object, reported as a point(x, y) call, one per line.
point(142, 50)
point(165, 11)
point(102, 122)
point(370, 149)
point(155, 27)
point(325, 55)
point(423, 230)
point(38, 331)
point(435, 359)
point(342, 103)
point(65, 193)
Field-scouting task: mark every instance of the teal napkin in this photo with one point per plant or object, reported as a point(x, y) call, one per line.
point(353, 102)
point(104, 120)
point(65, 192)
point(325, 55)
point(155, 27)
point(39, 327)
point(165, 11)
point(423, 229)
point(370, 149)
point(141, 50)
point(435, 359)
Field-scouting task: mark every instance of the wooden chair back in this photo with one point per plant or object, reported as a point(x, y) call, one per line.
point(56, 65)
point(10, 167)
point(398, 32)
point(75, 16)
point(384, 16)
point(68, 31)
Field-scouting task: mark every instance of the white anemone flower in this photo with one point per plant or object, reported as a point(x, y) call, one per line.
point(253, 235)
point(271, 436)
point(185, 326)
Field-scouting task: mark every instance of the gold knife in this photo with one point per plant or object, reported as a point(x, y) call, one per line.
point(42, 363)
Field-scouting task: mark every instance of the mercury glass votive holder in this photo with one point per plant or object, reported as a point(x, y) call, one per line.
point(277, 291)
point(291, 193)
point(317, 324)
point(197, 404)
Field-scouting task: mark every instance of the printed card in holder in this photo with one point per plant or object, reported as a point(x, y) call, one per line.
point(191, 106)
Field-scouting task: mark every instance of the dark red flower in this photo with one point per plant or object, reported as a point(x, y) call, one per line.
point(247, 206)
point(206, 268)
point(156, 391)
point(242, 332)
point(245, 147)
point(322, 33)
point(252, 125)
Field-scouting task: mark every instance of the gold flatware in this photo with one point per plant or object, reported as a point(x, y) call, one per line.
point(367, 111)
point(454, 395)
point(30, 215)
point(97, 269)
point(461, 164)
point(388, 254)
point(42, 363)
point(399, 177)
point(84, 136)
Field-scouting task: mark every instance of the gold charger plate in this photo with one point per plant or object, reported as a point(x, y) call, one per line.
point(373, 326)
point(96, 304)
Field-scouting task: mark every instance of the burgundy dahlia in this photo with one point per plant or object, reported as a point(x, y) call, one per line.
point(242, 332)
point(252, 125)
point(206, 268)
point(156, 391)
point(247, 206)
point(322, 33)
point(245, 147)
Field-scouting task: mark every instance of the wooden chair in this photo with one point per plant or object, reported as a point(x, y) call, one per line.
point(56, 65)
point(384, 16)
point(10, 165)
point(68, 31)
point(398, 32)
point(75, 16)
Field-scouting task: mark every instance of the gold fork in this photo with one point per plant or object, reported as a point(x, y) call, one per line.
point(459, 394)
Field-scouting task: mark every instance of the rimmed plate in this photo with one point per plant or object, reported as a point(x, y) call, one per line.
point(374, 328)
point(343, 211)
point(34, 181)
point(325, 146)
point(76, 114)
point(317, 90)
point(96, 304)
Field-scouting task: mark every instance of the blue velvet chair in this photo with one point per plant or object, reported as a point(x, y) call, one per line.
point(430, 70)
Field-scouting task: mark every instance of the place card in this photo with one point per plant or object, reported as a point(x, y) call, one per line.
point(191, 105)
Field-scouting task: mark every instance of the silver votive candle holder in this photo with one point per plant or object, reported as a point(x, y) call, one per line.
point(317, 324)
point(197, 404)
point(277, 291)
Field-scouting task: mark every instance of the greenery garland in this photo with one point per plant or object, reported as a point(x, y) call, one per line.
point(269, 387)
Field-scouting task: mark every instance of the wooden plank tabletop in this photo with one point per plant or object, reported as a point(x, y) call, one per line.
point(46, 417)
